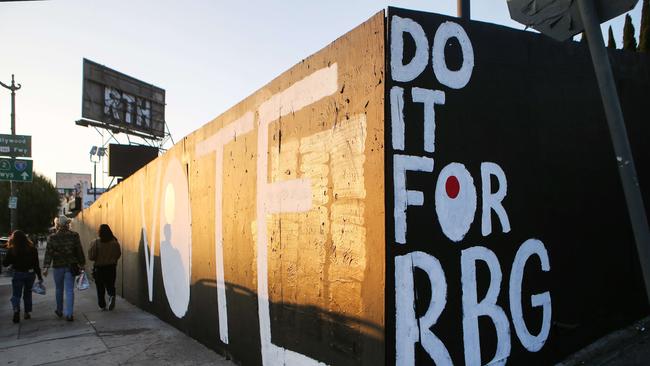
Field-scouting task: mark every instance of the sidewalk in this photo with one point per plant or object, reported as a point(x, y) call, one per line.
point(626, 347)
point(125, 336)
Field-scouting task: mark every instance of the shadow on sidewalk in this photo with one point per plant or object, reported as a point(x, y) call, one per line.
point(126, 334)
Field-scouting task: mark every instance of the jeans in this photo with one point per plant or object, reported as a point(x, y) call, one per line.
point(21, 284)
point(64, 278)
point(105, 282)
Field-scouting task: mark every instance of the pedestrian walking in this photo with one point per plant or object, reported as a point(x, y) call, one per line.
point(23, 256)
point(105, 251)
point(65, 255)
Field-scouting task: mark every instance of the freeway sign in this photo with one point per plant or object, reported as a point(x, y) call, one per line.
point(17, 170)
point(16, 145)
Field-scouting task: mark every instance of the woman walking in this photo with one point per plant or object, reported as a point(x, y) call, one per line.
point(65, 255)
point(24, 258)
point(105, 251)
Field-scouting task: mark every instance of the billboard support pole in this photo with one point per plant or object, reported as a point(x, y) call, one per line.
point(618, 133)
point(13, 87)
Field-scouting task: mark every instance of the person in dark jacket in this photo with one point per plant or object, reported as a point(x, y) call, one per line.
point(105, 251)
point(65, 255)
point(24, 258)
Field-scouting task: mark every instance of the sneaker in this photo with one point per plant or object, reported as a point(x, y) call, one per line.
point(69, 318)
point(28, 315)
point(58, 313)
point(16, 318)
point(103, 308)
point(111, 302)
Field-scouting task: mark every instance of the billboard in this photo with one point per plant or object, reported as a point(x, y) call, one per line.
point(124, 160)
point(121, 103)
point(72, 180)
point(71, 186)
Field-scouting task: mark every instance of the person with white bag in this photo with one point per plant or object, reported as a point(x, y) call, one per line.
point(105, 251)
point(24, 258)
point(65, 254)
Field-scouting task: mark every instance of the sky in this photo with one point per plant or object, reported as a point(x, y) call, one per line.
point(207, 54)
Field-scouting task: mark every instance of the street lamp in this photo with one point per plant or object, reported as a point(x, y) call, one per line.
point(99, 152)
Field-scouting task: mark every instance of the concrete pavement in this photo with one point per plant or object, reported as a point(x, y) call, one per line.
point(626, 347)
point(125, 336)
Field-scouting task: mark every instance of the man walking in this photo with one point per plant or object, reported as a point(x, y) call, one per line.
point(65, 255)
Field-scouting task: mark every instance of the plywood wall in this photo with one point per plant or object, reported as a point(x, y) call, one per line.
point(262, 233)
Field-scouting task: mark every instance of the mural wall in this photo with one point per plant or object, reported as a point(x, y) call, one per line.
point(262, 233)
point(491, 229)
point(508, 241)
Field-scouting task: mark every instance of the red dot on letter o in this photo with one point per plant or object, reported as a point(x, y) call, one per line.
point(452, 186)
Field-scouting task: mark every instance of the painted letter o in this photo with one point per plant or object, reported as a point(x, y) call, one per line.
point(176, 238)
point(453, 79)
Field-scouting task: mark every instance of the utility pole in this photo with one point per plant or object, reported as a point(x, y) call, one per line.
point(464, 9)
point(13, 87)
point(614, 114)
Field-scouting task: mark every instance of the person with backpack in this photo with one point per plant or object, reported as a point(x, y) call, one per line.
point(105, 251)
point(23, 256)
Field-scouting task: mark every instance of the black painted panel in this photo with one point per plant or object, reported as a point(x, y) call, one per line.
point(533, 108)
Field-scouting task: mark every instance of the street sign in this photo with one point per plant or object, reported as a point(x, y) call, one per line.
point(17, 170)
point(15, 145)
point(13, 202)
point(560, 19)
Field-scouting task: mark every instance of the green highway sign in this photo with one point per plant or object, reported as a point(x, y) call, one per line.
point(16, 145)
point(17, 170)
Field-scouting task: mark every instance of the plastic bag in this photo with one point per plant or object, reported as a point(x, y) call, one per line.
point(39, 288)
point(82, 281)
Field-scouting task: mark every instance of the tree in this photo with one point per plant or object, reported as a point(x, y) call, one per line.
point(38, 204)
point(629, 40)
point(611, 43)
point(644, 34)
